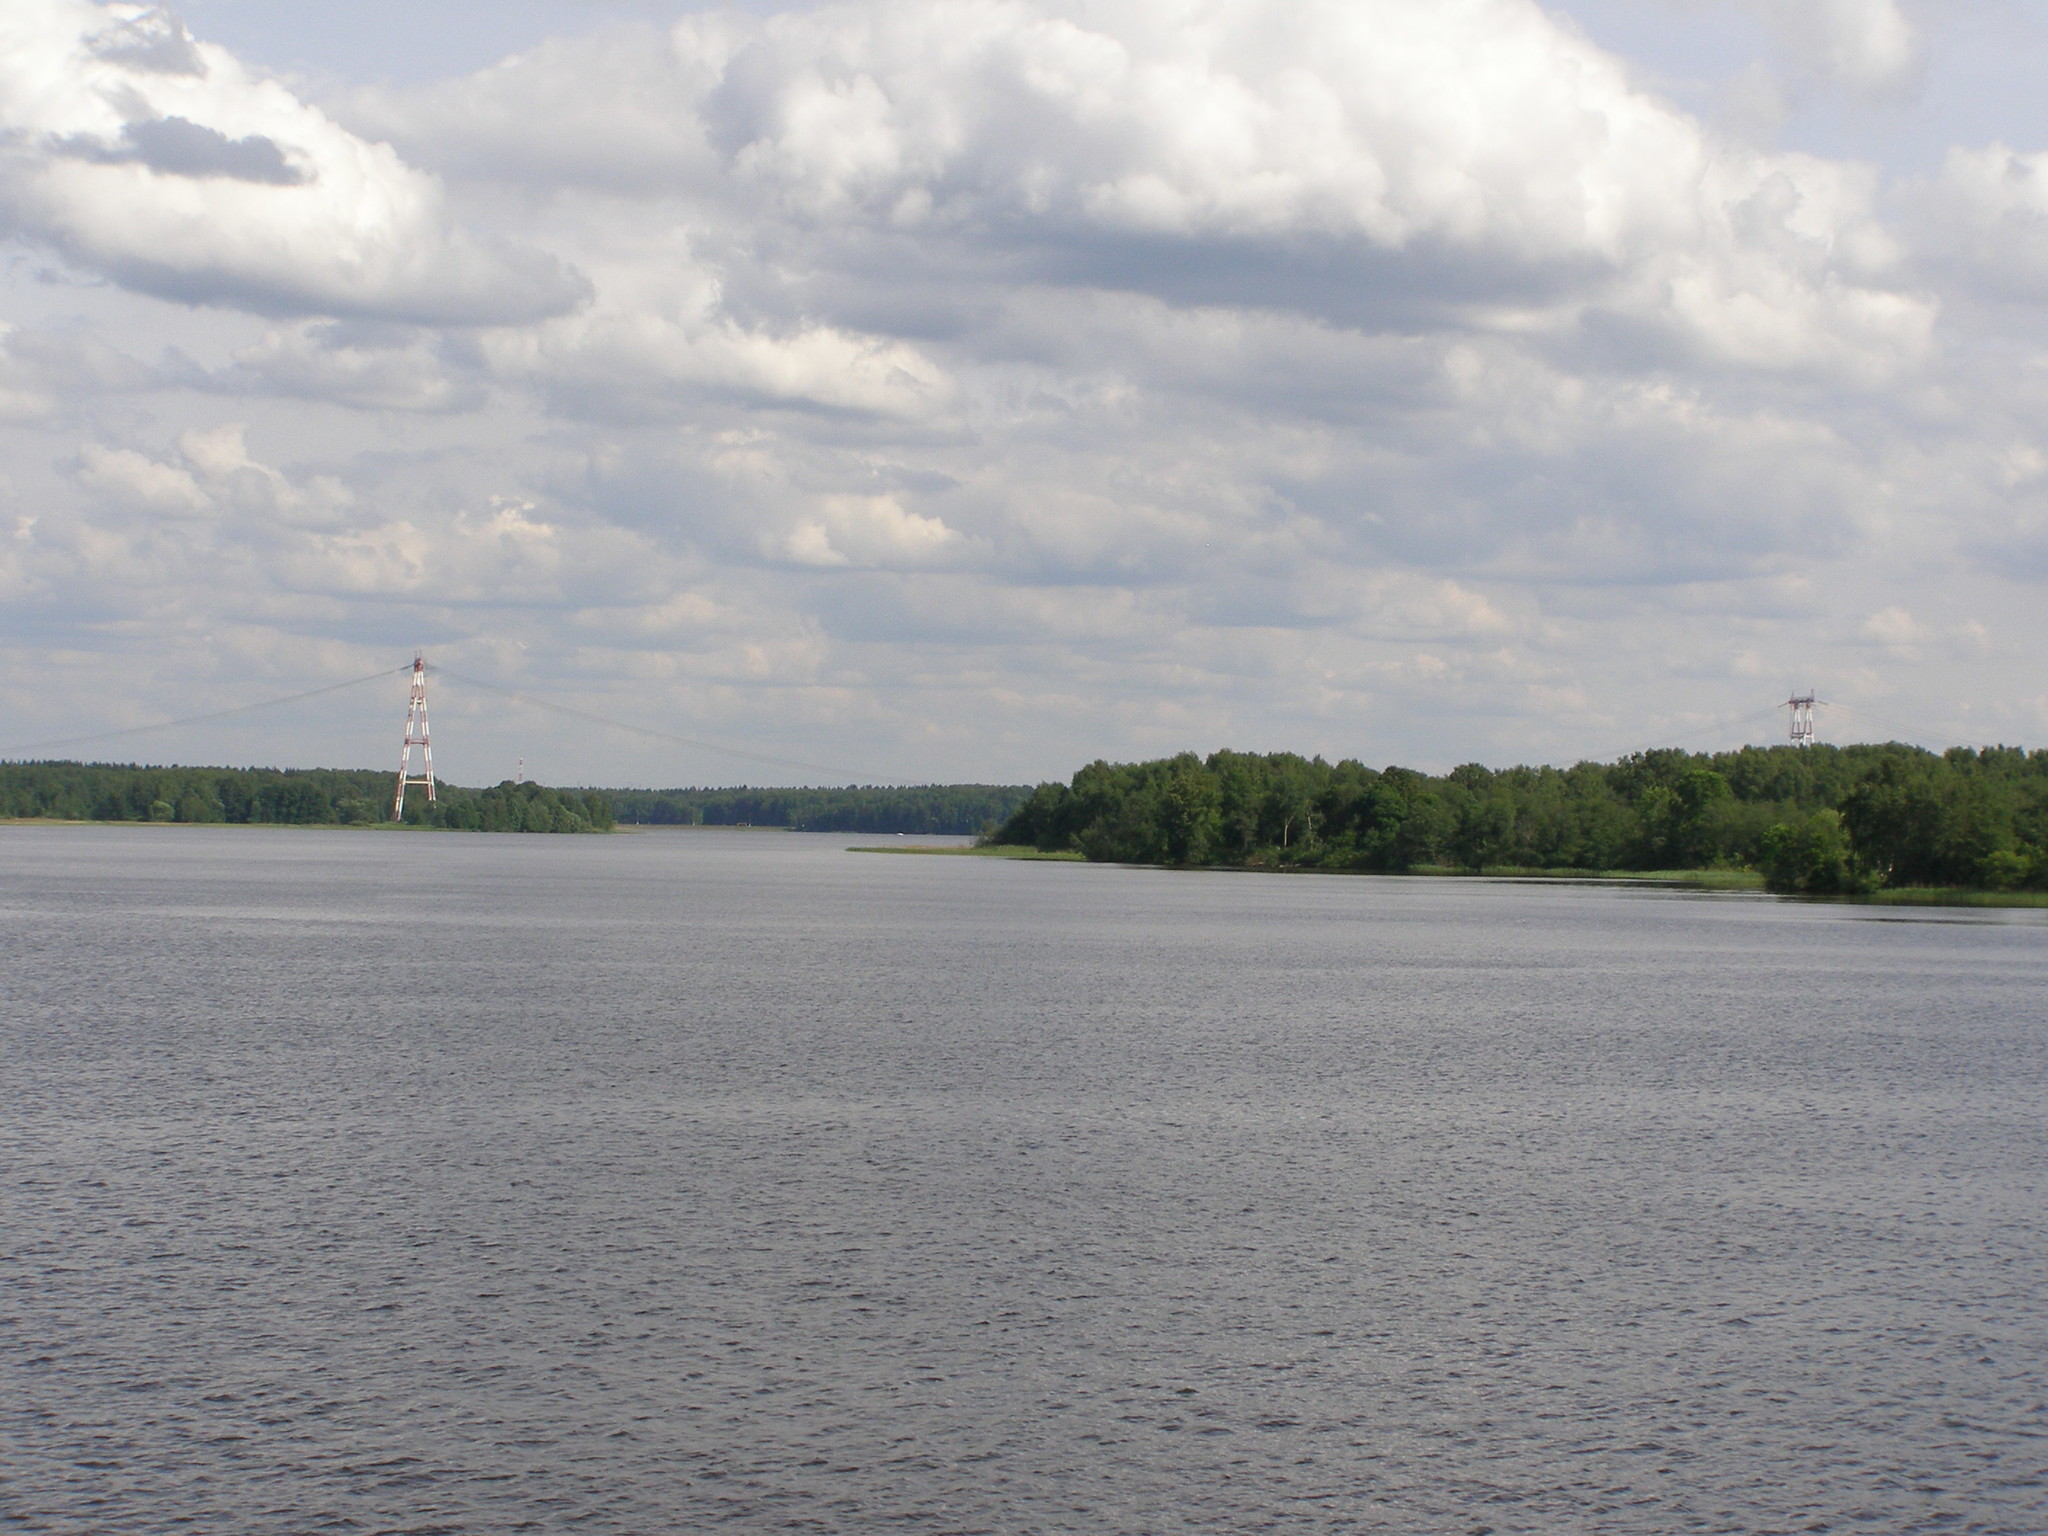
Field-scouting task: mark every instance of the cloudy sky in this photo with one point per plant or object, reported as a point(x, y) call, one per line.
point(964, 389)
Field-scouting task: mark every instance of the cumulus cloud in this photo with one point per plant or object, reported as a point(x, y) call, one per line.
point(369, 365)
point(171, 146)
point(212, 473)
point(206, 523)
point(162, 162)
point(1985, 219)
point(654, 340)
point(864, 530)
point(47, 373)
point(1864, 45)
point(136, 481)
point(1374, 161)
point(1026, 378)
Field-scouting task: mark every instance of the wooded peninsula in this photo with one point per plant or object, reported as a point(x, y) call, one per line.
point(1813, 820)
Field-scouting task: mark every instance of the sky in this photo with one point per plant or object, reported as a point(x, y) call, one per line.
point(969, 389)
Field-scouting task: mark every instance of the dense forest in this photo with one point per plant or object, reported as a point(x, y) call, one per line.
point(926, 808)
point(1815, 819)
point(344, 796)
point(286, 796)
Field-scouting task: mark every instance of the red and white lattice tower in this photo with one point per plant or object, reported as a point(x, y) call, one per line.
point(415, 736)
point(1801, 706)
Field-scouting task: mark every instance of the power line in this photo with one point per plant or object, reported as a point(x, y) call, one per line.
point(1712, 728)
point(1912, 731)
point(643, 730)
point(219, 714)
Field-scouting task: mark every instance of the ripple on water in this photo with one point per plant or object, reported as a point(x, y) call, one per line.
point(673, 1182)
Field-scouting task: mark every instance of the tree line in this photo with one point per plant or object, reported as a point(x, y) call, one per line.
point(1816, 820)
point(349, 796)
point(287, 797)
point(963, 809)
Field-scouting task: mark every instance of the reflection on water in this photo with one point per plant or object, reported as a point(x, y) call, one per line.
point(384, 1182)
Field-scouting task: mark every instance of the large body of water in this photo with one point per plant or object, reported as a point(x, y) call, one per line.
point(700, 1181)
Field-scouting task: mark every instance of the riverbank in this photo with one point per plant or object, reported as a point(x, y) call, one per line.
point(1749, 880)
point(1032, 854)
point(1712, 879)
point(281, 826)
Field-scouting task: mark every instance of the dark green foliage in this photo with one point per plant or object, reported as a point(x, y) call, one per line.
point(1809, 857)
point(1951, 820)
point(326, 796)
point(1822, 819)
point(515, 807)
point(926, 808)
point(286, 796)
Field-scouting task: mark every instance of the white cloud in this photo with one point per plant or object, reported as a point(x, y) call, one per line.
point(659, 336)
point(374, 367)
point(163, 163)
point(1036, 377)
point(1895, 629)
point(44, 373)
point(865, 530)
point(1372, 160)
point(210, 472)
point(1865, 45)
point(1985, 216)
point(137, 481)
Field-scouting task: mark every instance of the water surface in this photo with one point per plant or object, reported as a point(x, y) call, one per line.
point(682, 1181)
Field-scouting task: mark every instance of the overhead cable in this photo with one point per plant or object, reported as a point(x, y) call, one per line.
point(1913, 732)
point(1711, 728)
point(658, 735)
point(218, 714)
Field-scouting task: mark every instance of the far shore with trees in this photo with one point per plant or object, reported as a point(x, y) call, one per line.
point(1884, 821)
point(301, 797)
point(926, 809)
point(1822, 820)
point(69, 791)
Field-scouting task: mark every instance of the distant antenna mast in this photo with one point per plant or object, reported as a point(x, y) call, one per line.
point(415, 735)
point(1801, 706)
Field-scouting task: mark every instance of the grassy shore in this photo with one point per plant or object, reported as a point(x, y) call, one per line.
point(1711, 879)
point(1938, 896)
point(273, 826)
point(977, 853)
point(1693, 879)
point(1704, 879)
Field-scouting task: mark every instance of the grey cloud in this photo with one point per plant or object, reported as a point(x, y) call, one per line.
point(254, 199)
point(1868, 46)
point(480, 283)
point(1982, 222)
point(175, 146)
point(860, 151)
point(155, 42)
point(1145, 461)
point(56, 373)
point(941, 282)
point(366, 364)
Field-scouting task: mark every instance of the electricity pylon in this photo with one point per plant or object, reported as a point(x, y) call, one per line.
point(1801, 706)
point(415, 735)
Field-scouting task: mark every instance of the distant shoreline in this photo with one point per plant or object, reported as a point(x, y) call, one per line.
point(65, 790)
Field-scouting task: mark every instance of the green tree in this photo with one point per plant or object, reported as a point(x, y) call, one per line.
point(1699, 796)
point(1810, 857)
point(1189, 814)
